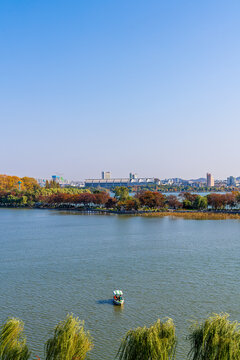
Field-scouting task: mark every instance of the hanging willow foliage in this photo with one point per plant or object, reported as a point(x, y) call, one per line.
point(70, 341)
point(157, 342)
point(215, 339)
point(12, 341)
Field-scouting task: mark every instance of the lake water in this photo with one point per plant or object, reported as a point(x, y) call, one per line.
point(52, 263)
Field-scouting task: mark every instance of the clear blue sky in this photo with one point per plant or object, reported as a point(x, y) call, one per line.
point(148, 86)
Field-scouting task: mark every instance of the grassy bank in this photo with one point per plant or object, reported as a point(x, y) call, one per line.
point(194, 215)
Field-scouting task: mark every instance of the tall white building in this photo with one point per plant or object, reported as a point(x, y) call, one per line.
point(210, 180)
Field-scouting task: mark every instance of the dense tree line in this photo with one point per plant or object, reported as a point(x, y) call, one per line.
point(215, 338)
point(8, 182)
point(61, 197)
point(187, 201)
point(30, 194)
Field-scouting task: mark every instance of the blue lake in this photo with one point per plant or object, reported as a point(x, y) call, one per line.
point(53, 263)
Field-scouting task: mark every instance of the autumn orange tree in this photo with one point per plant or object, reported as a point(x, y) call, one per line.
point(84, 198)
point(173, 202)
point(8, 182)
point(111, 203)
point(152, 199)
point(217, 201)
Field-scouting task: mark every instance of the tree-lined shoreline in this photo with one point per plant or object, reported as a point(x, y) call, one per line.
point(26, 193)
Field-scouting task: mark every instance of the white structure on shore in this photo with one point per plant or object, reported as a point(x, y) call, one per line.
point(108, 182)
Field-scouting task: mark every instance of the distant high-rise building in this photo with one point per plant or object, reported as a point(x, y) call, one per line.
point(132, 176)
point(106, 175)
point(231, 181)
point(210, 180)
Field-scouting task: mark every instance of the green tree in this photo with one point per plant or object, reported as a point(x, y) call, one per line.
point(200, 203)
point(70, 341)
point(187, 204)
point(12, 341)
point(13, 200)
point(216, 338)
point(157, 342)
point(23, 200)
point(121, 193)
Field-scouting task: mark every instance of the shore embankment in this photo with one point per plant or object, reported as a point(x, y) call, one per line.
point(191, 215)
point(196, 215)
point(186, 214)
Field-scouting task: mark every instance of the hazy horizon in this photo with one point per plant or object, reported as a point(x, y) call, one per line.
point(98, 176)
point(150, 87)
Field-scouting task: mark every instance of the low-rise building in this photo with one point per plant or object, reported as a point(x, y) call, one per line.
point(131, 181)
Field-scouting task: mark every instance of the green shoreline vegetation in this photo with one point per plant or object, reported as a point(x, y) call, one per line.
point(26, 193)
point(215, 338)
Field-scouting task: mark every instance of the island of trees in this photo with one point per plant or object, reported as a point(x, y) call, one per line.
point(25, 192)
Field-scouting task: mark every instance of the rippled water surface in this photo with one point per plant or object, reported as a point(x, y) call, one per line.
point(52, 263)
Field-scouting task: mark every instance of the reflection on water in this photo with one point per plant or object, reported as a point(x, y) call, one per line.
point(107, 301)
point(118, 309)
point(52, 264)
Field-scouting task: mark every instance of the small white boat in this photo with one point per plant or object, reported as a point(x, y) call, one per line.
point(118, 297)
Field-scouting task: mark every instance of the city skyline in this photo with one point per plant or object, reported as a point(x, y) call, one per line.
point(107, 175)
point(131, 175)
point(149, 86)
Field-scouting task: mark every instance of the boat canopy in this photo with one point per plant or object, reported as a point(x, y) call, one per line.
point(117, 292)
